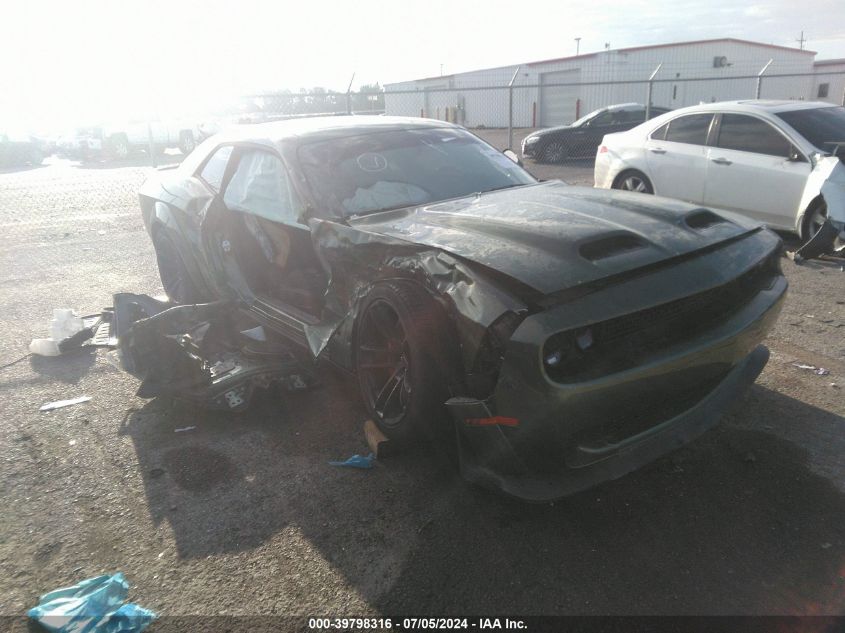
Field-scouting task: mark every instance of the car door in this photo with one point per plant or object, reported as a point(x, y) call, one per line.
point(259, 236)
point(676, 156)
point(753, 168)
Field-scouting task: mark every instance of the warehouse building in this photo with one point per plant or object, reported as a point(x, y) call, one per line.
point(557, 91)
point(829, 84)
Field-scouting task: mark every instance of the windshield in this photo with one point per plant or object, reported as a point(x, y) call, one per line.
point(388, 170)
point(823, 127)
point(587, 117)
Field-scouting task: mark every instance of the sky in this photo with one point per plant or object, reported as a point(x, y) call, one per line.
point(76, 62)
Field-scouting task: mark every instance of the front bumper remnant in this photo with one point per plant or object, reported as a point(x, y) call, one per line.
point(488, 458)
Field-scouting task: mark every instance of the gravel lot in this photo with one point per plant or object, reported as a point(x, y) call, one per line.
point(243, 516)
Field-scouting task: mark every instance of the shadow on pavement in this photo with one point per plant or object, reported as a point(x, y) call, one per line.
point(735, 523)
point(68, 368)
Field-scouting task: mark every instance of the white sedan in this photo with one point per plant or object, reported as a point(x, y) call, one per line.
point(774, 161)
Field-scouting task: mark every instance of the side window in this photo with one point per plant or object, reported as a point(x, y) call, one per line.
point(260, 186)
point(748, 134)
point(603, 120)
point(691, 129)
point(660, 133)
point(627, 117)
point(214, 169)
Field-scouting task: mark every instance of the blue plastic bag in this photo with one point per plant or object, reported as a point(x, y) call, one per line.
point(94, 605)
point(356, 461)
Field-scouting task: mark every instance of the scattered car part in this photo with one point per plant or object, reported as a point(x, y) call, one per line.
point(195, 353)
point(60, 404)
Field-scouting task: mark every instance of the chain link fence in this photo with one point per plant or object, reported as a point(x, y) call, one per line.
point(90, 177)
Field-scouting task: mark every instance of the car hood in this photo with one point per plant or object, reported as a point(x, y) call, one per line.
point(552, 236)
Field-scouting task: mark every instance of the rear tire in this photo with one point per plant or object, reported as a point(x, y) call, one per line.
point(401, 360)
point(633, 180)
point(175, 278)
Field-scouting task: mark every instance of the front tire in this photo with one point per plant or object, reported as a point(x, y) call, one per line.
point(119, 146)
point(175, 278)
point(815, 217)
point(554, 152)
point(635, 181)
point(186, 142)
point(401, 360)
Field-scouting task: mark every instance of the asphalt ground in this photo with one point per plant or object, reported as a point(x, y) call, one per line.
point(242, 515)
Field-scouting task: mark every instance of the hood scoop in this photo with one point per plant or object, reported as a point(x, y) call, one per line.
point(611, 246)
point(703, 219)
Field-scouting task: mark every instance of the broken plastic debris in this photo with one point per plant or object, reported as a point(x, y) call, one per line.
point(58, 404)
point(356, 461)
point(821, 371)
point(44, 347)
point(65, 324)
point(93, 605)
point(184, 428)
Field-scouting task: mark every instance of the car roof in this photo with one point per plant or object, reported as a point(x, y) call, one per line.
point(322, 127)
point(757, 105)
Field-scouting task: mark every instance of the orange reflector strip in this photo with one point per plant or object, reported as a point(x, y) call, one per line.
point(494, 421)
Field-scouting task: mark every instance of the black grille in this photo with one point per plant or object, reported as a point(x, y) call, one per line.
point(629, 340)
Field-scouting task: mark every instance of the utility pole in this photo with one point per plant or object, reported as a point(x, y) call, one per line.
point(577, 46)
point(801, 41)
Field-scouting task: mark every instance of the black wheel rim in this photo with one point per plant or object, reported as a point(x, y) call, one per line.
point(634, 183)
point(555, 152)
point(383, 363)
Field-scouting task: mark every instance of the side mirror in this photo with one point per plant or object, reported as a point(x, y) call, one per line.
point(513, 156)
point(795, 156)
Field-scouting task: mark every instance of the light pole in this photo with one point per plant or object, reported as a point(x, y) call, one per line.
point(577, 46)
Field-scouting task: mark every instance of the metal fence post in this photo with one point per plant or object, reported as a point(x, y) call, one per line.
point(650, 87)
point(151, 143)
point(349, 95)
point(510, 107)
point(760, 78)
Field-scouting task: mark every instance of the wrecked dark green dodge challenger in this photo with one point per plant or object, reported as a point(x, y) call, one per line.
point(563, 335)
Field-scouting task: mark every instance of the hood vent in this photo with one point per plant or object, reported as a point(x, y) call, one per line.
point(703, 219)
point(610, 246)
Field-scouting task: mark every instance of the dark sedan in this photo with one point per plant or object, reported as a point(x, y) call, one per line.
point(581, 138)
point(554, 336)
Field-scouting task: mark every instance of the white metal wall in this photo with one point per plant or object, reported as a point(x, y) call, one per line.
point(835, 83)
point(607, 79)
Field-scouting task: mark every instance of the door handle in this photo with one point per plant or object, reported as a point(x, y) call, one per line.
point(657, 150)
point(721, 161)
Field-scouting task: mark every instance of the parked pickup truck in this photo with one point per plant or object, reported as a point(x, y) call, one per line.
point(118, 141)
